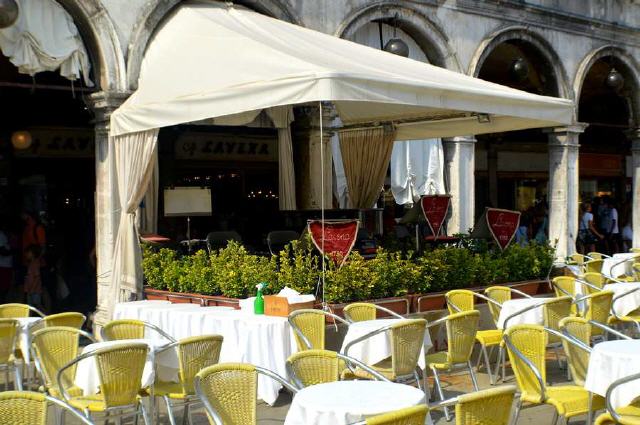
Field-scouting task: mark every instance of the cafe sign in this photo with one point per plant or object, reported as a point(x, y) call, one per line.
point(226, 147)
point(435, 209)
point(59, 143)
point(334, 238)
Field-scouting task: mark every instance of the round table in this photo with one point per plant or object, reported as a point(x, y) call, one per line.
point(345, 402)
point(378, 347)
point(23, 341)
point(534, 316)
point(610, 361)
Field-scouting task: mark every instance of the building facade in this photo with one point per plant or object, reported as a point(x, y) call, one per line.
point(587, 51)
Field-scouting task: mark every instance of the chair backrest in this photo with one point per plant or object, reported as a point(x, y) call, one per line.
point(123, 329)
point(414, 415)
point(492, 406)
point(15, 310)
point(120, 370)
point(598, 309)
point(8, 334)
point(578, 359)
point(221, 239)
point(595, 255)
point(278, 239)
point(359, 312)
point(499, 294)
point(54, 347)
point(311, 323)
point(579, 259)
point(230, 389)
point(593, 266)
point(461, 334)
point(70, 319)
point(194, 354)
point(562, 284)
point(460, 300)
point(407, 340)
point(312, 367)
point(596, 279)
point(531, 342)
point(31, 408)
point(553, 311)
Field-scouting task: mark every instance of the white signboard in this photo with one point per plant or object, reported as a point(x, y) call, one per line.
point(187, 201)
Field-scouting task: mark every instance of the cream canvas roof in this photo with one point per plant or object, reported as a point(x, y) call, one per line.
point(212, 60)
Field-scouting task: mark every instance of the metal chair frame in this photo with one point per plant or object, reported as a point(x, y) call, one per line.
point(401, 379)
point(612, 411)
point(378, 307)
point(624, 319)
point(565, 336)
point(349, 361)
point(260, 370)
point(151, 326)
point(292, 233)
point(626, 260)
point(16, 370)
point(118, 412)
point(315, 311)
point(436, 377)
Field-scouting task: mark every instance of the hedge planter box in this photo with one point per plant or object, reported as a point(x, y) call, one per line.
point(180, 297)
point(400, 305)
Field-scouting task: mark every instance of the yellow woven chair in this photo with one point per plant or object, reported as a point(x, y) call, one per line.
point(8, 337)
point(628, 415)
point(54, 347)
point(565, 286)
point(309, 327)
point(16, 310)
point(593, 266)
point(130, 329)
point(69, 319)
point(526, 345)
point(228, 391)
point(486, 407)
point(597, 255)
point(597, 308)
point(414, 415)
point(359, 312)
point(595, 281)
point(31, 408)
point(577, 260)
point(313, 367)
point(579, 329)
point(120, 373)
point(461, 334)
point(636, 250)
point(407, 341)
point(194, 354)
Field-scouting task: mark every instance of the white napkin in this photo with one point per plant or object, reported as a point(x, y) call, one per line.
point(294, 297)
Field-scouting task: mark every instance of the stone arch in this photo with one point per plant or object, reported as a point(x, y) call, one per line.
point(156, 10)
point(423, 30)
point(101, 40)
point(631, 68)
point(536, 40)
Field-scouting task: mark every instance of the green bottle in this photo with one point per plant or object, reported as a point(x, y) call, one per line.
point(258, 303)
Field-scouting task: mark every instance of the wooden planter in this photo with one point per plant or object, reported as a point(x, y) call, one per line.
point(188, 298)
point(400, 305)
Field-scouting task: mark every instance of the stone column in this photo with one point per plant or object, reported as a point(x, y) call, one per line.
point(634, 137)
point(308, 174)
point(106, 198)
point(564, 187)
point(459, 158)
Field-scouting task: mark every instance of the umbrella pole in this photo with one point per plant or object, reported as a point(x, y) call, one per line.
point(324, 304)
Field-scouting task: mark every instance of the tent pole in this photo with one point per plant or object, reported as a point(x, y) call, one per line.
point(324, 305)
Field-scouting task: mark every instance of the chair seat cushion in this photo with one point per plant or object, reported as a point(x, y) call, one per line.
point(384, 368)
point(489, 337)
point(630, 415)
point(72, 391)
point(93, 403)
point(170, 389)
point(439, 360)
point(569, 400)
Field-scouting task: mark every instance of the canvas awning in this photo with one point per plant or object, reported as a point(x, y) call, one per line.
point(215, 59)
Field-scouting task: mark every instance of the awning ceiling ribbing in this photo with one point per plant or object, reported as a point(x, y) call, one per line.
point(211, 60)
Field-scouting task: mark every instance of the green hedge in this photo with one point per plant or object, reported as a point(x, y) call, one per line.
point(234, 272)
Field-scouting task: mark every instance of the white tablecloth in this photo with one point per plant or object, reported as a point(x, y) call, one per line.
point(624, 305)
point(345, 402)
point(87, 377)
point(261, 340)
point(377, 348)
point(610, 361)
point(612, 268)
point(531, 317)
point(23, 341)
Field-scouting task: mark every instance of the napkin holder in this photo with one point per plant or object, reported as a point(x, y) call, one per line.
point(279, 306)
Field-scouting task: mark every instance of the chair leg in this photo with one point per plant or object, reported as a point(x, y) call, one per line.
point(427, 391)
point(186, 417)
point(517, 412)
point(436, 378)
point(417, 378)
point(500, 360)
point(172, 419)
point(492, 380)
point(474, 380)
point(18, 378)
point(555, 418)
point(145, 416)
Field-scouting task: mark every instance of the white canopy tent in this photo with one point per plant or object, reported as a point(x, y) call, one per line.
point(215, 60)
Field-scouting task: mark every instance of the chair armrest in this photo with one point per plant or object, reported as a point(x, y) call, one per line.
point(277, 378)
point(38, 312)
point(75, 361)
point(350, 360)
point(365, 336)
point(390, 312)
point(524, 310)
point(160, 332)
point(617, 297)
point(609, 329)
point(519, 292)
point(528, 363)
point(616, 416)
point(569, 338)
point(70, 409)
point(590, 285)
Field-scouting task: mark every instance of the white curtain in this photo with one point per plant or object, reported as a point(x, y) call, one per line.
point(147, 214)
point(44, 38)
point(282, 118)
point(134, 163)
point(416, 169)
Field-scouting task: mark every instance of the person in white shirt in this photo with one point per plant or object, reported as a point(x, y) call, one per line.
point(588, 235)
point(613, 232)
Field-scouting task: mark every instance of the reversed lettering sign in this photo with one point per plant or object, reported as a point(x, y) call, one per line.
point(435, 209)
point(503, 225)
point(211, 146)
point(339, 238)
point(59, 143)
